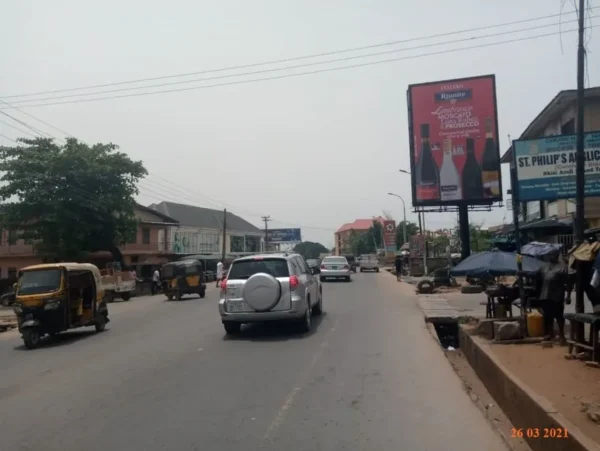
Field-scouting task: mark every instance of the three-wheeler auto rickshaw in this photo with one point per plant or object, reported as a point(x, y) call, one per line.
point(183, 277)
point(52, 298)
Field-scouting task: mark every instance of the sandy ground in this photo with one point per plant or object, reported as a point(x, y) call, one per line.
point(565, 383)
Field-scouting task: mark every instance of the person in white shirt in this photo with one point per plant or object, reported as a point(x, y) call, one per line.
point(155, 281)
point(219, 272)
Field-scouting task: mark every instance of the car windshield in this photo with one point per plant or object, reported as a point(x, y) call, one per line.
point(312, 262)
point(338, 260)
point(40, 281)
point(243, 269)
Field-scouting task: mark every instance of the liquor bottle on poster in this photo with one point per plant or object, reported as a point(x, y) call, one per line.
point(490, 164)
point(427, 175)
point(471, 176)
point(450, 188)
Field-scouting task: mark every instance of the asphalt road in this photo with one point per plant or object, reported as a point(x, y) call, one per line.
point(164, 377)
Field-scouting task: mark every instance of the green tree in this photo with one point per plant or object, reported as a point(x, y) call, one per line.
point(479, 238)
point(412, 229)
point(361, 243)
point(72, 199)
point(309, 249)
point(376, 232)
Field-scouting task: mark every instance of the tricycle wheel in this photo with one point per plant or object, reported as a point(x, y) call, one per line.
point(100, 323)
point(169, 297)
point(202, 293)
point(126, 296)
point(178, 296)
point(31, 338)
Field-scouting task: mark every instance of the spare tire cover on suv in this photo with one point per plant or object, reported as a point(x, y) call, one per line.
point(262, 291)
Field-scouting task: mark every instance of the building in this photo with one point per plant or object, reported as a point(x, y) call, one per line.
point(149, 248)
point(559, 118)
point(200, 231)
point(343, 234)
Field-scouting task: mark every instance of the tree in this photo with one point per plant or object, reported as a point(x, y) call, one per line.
point(309, 249)
point(376, 231)
point(412, 229)
point(72, 199)
point(479, 238)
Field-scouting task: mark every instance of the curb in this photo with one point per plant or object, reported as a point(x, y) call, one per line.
point(525, 408)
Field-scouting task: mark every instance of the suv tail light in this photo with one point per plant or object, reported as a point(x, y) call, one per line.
point(323, 267)
point(224, 286)
point(293, 282)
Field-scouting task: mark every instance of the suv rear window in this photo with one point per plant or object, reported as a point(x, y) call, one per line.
point(243, 269)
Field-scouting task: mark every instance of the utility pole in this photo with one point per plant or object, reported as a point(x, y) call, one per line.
point(580, 161)
point(266, 219)
point(223, 254)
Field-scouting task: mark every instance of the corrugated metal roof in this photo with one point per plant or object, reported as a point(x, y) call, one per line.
point(204, 218)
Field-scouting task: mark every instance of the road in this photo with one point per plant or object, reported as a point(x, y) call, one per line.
point(164, 377)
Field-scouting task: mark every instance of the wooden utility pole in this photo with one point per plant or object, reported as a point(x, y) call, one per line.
point(224, 251)
point(580, 163)
point(266, 219)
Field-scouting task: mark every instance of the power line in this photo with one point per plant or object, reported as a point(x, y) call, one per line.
point(298, 74)
point(10, 139)
point(35, 118)
point(19, 129)
point(291, 59)
point(285, 68)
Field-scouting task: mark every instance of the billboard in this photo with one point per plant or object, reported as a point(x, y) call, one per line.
point(454, 151)
point(546, 167)
point(389, 235)
point(284, 235)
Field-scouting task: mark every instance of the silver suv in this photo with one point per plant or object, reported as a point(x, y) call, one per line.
point(269, 287)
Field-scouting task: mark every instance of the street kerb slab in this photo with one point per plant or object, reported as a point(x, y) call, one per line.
point(526, 409)
point(437, 309)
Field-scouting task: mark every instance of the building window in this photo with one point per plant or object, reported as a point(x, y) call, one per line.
point(237, 244)
point(12, 273)
point(133, 239)
point(552, 209)
point(12, 237)
point(252, 243)
point(145, 235)
point(568, 128)
point(208, 242)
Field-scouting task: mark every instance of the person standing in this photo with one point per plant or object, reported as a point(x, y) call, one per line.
point(219, 273)
point(155, 281)
point(398, 264)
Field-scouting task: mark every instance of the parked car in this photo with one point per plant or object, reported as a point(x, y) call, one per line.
point(270, 287)
point(369, 263)
point(335, 267)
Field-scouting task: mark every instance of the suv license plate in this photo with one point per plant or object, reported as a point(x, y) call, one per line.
point(236, 306)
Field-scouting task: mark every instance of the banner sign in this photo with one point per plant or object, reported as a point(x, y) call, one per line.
point(546, 167)
point(284, 236)
point(389, 235)
point(454, 151)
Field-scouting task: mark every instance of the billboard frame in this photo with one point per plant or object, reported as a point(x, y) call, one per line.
point(411, 140)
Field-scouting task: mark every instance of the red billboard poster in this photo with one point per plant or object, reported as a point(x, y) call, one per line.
point(389, 235)
point(454, 152)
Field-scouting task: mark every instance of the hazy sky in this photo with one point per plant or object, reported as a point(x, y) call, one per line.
point(312, 151)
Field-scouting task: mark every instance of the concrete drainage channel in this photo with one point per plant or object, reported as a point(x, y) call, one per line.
point(446, 331)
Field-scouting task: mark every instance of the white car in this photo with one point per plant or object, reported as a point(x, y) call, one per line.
point(369, 263)
point(335, 267)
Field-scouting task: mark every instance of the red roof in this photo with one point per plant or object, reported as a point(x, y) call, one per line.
point(359, 224)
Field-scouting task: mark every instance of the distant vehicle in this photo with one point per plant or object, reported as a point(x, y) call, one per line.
point(313, 263)
point(335, 267)
point(117, 283)
point(270, 287)
point(369, 263)
point(353, 262)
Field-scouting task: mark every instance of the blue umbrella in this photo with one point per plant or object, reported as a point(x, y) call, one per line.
point(495, 263)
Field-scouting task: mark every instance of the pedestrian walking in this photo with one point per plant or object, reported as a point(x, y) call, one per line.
point(219, 273)
point(155, 281)
point(398, 264)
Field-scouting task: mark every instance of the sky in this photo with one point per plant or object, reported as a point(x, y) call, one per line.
point(312, 151)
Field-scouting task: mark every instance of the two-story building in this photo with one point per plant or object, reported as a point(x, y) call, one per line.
point(559, 117)
point(343, 234)
point(200, 231)
point(149, 248)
